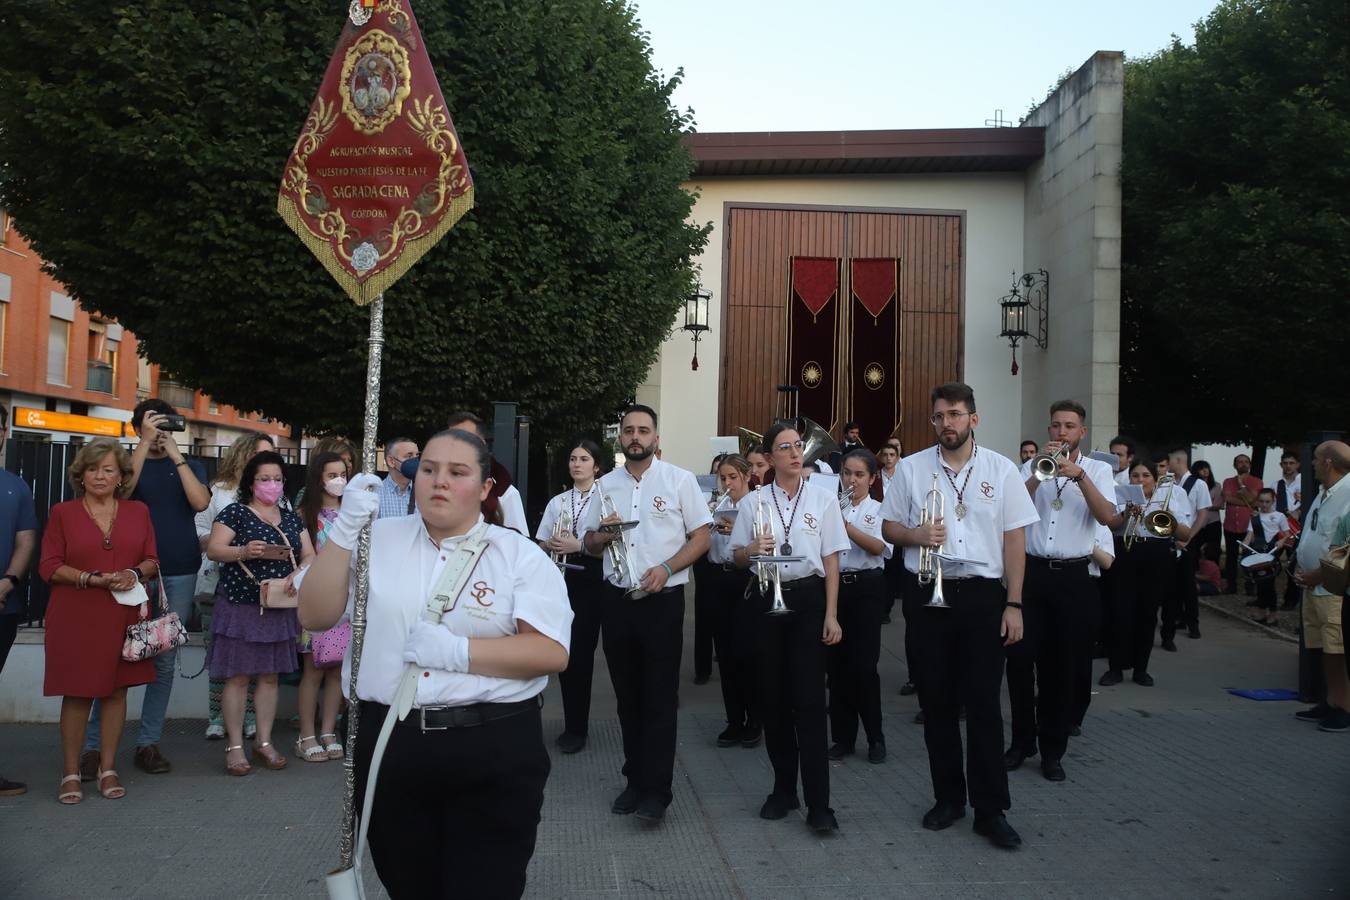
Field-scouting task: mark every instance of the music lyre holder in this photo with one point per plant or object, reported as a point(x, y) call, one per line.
point(616, 527)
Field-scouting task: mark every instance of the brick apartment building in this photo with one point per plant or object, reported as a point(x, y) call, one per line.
point(67, 375)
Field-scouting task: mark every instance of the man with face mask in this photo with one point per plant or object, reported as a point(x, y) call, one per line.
point(396, 495)
point(174, 489)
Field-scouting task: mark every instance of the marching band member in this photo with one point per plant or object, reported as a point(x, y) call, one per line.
point(1103, 562)
point(851, 664)
point(960, 649)
point(1124, 451)
point(1061, 603)
point(642, 613)
point(508, 500)
point(1185, 605)
point(790, 649)
point(583, 589)
point(758, 458)
point(1145, 573)
point(462, 779)
point(705, 600)
point(737, 617)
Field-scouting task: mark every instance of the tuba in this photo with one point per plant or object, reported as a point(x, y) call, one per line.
point(930, 566)
point(816, 440)
point(748, 439)
point(620, 554)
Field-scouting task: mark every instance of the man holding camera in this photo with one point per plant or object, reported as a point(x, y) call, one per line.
point(175, 490)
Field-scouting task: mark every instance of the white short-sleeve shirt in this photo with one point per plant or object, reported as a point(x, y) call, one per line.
point(1070, 531)
point(1105, 541)
point(668, 507)
point(1198, 495)
point(1176, 500)
point(571, 501)
point(514, 581)
point(996, 501)
point(866, 517)
point(1293, 492)
point(809, 520)
point(513, 510)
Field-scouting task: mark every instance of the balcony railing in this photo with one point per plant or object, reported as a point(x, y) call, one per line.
point(99, 377)
point(175, 394)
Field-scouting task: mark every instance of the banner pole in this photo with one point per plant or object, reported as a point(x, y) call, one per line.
point(347, 837)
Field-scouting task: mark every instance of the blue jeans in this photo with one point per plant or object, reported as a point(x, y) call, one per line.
point(178, 590)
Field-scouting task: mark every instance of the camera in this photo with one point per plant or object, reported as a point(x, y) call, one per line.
point(173, 422)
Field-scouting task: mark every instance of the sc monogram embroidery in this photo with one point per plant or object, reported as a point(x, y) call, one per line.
point(987, 489)
point(870, 520)
point(480, 592)
point(659, 504)
point(809, 519)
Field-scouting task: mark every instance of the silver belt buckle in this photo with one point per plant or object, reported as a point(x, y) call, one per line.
point(422, 712)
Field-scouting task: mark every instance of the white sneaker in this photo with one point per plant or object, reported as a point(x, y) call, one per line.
point(215, 732)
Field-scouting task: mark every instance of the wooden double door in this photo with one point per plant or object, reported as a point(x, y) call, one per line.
point(766, 247)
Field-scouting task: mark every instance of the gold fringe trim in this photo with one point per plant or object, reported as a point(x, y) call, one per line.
point(363, 291)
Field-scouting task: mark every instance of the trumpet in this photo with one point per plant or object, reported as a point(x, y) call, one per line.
point(1158, 524)
point(767, 573)
point(620, 554)
point(1046, 465)
point(845, 497)
point(930, 566)
point(560, 528)
point(715, 500)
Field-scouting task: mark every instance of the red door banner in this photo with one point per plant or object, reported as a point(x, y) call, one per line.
point(874, 341)
point(813, 334)
point(377, 176)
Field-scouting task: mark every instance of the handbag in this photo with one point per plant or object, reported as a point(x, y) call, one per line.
point(1335, 568)
point(148, 638)
point(272, 593)
point(329, 647)
point(347, 884)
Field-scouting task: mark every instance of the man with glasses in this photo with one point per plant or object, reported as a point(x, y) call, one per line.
point(1288, 490)
point(960, 648)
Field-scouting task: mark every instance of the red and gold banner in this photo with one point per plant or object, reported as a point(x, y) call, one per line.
point(813, 334)
point(873, 363)
point(377, 176)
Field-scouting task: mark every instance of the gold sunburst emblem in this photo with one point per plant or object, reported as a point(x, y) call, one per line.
point(874, 375)
point(812, 374)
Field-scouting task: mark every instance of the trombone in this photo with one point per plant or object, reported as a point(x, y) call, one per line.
point(767, 572)
point(1046, 465)
point(1157, 524)
point(930, 566)
point(620, 554)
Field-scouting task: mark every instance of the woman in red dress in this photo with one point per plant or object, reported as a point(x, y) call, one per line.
point(93, 545)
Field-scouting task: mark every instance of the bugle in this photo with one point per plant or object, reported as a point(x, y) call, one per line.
point(767, 572)
point(620, 554)
point(930, 566)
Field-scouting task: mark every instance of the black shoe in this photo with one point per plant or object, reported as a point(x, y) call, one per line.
point(1143, 679)
point(907, 689)
point(626, 803)
point(1338, 721)
point(731, 736)
point(1169, 645)
point(701, 679)
point(876, 752)
point(777, 807)
point(943, 815)
point(1316, 714)
point(839, 751)
point(918, 717)
point(1111, 677)
point(751, 735)
point(1076, 731)
point(1017, 755)
point(1193, 632)
point(999, 832)
point(1052, 769)
point(821, 821)
point(570, 743)
point(651, 811)
point(12, 788)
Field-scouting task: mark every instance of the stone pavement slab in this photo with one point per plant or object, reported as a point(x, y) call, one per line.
point(1180, 790)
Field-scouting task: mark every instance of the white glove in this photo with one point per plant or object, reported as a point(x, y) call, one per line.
point(436, 647)
point(360, 506)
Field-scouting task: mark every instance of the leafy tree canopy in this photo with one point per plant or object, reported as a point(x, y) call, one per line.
point(1236, 181)
point(142, 147)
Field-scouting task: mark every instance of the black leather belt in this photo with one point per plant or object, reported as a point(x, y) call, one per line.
point(854, 577)
point(731, 567)
point(1054, 565)
point(443, 718)
point(799, 583)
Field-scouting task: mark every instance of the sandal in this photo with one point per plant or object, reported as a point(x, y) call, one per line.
point(116, 792)
point(332, 748)
point(310, 754)
point(272, 760)
point(70, 798)
point(239, 768)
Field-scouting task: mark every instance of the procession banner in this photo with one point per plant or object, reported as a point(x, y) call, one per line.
point(377, 176)
point(813, 334)
point(873, 347)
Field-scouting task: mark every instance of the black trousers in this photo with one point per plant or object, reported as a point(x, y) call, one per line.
point(960, 663)
point(1147, 572)
point(851, 664)
point(895, 581)
point(1059, 619)
point(457, 810)
point(791, 662)
point(705, 616)
point(585, 589)
point(734, 638)
point(1232, 554)
point(912, 596)
point(644, 638)
point(1083, 678)
point(9, 630)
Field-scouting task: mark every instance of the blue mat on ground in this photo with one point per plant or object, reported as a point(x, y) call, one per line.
point(1264, 693)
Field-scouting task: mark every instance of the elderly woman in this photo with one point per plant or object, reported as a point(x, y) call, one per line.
point(93, 545)
point(256, 541)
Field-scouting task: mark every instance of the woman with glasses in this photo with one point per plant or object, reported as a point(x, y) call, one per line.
point(256, 541)
point(803, 521)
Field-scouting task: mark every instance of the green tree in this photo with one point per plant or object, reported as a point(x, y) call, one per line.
point(142, 147)
point(1236, 183)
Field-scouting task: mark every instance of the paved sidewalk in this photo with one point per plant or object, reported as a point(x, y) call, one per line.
point(1181, 790)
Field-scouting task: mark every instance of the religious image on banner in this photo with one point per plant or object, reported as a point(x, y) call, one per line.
point(813, 334)
point(873, 363)
point(377, 175)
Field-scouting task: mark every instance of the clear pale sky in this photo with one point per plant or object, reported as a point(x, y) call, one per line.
point(791, 65)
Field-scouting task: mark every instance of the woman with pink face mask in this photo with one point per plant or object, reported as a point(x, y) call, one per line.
point(256, 541)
